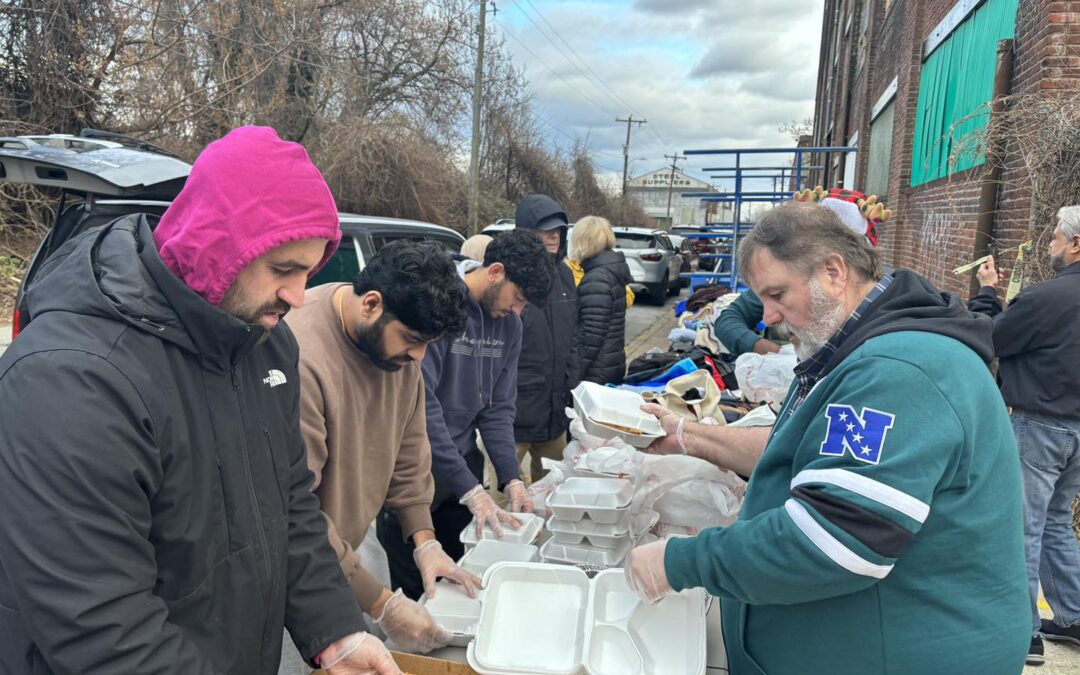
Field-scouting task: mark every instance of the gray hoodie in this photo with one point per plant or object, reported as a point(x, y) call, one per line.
point(470, 383)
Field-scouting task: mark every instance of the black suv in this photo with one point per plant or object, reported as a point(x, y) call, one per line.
point(104, 176)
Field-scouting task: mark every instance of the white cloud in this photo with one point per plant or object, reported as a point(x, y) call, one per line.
point(705, 73)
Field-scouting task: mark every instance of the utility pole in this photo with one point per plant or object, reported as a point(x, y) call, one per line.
point(626, 148)
point(675, 159)
point(474, 159)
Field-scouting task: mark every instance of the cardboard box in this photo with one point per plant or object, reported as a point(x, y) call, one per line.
point(426, 665)
point(413, 664)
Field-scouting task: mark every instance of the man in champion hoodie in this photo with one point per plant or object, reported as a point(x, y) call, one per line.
point(470, 384)
point(158, 512)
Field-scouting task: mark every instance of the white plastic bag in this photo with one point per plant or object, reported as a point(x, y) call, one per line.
point(688, 492)
point(766, 377)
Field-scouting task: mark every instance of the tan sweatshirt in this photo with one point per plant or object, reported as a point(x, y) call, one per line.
point(366, 436)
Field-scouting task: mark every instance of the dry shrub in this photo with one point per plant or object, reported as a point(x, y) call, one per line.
point(1041, 150)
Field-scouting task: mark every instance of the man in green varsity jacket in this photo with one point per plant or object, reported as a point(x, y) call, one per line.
point(881, 530)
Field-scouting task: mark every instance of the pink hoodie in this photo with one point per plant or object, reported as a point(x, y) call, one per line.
point(248, 192)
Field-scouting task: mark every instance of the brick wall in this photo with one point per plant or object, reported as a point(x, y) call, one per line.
point(933, 227)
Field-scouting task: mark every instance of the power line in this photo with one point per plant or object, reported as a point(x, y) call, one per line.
point(595, 80)
point(524, 46)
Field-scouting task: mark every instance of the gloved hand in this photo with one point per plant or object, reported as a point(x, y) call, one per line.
point(644, 571)
point(411, 626)
point(674, 443)
point(487, 512)
point(518, 496)
point(433, 562)
point(358, 654)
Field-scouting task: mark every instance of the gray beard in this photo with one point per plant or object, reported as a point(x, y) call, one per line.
point(828, 316)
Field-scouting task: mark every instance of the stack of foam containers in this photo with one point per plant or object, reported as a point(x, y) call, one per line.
point(590, 525)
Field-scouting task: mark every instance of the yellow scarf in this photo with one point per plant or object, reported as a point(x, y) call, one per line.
point(579, 273)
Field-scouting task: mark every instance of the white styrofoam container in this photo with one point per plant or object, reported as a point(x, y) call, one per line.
point(598, 406)
point(604, 500)
point(531, 524)
point(487, 552)
point(602, 535)
point(585, 555)
point(454, 610)
point(575, 625)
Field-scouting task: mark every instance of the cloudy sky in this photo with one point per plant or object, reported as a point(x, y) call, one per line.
point(704, 73)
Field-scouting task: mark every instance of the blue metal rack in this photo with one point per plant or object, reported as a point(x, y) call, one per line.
point(740, 173)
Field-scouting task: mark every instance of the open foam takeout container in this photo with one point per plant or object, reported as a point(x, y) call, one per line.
point(615, 413)
point(547, 620)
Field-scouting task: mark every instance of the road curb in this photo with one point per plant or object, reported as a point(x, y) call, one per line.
point(651, 336)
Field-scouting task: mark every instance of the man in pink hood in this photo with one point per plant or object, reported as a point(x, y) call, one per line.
point(163, 522)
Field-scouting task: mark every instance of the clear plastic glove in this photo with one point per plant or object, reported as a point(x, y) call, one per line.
point(674, 443)
point(518, 497)
point(487, 512)
point(358, 654)
point(411, 626)
point(433, 562)
point(644, 570)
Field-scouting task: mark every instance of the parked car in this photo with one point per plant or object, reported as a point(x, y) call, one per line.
point(700, 246)
point(498, 227)
point(654, 262)
point(101, 180)
point(689, 254)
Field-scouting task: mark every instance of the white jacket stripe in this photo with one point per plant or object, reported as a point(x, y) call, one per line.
point(831, 546)
point(867, 487)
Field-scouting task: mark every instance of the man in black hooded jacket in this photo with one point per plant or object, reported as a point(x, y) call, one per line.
point(547, 367)
point(158, 515)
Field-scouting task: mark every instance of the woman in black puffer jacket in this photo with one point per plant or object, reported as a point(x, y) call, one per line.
point(601, 302)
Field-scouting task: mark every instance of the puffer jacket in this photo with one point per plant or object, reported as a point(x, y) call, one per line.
point(602, 318)
point(158, 517)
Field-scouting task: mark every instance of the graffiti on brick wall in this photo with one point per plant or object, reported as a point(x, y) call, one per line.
point(935, 242)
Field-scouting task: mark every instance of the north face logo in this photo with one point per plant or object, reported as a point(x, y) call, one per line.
point(274, 378)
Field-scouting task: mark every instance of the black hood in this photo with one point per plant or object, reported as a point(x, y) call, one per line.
point(535, 209)
point(114, 271)
point(614, 261)
point(911, 303)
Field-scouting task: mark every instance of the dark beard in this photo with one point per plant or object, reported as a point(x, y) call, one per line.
point(1057, 262)
point(491, 298)
point(369, 340)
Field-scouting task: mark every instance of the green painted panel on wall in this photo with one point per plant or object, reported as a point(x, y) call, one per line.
point(957, 80)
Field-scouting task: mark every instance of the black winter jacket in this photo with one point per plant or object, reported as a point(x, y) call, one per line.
point(157, 509)
point(547, 366)
point(1037, 340)
point(602, 318)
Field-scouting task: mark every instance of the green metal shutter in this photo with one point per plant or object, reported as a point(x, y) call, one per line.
point(956, 80)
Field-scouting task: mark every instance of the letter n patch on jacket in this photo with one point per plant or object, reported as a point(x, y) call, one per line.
point(861, 434)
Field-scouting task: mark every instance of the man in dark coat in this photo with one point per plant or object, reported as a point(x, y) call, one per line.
point(158, 514)
point(547, 367)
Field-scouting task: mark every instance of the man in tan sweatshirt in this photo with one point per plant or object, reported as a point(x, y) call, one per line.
point(363, 418)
